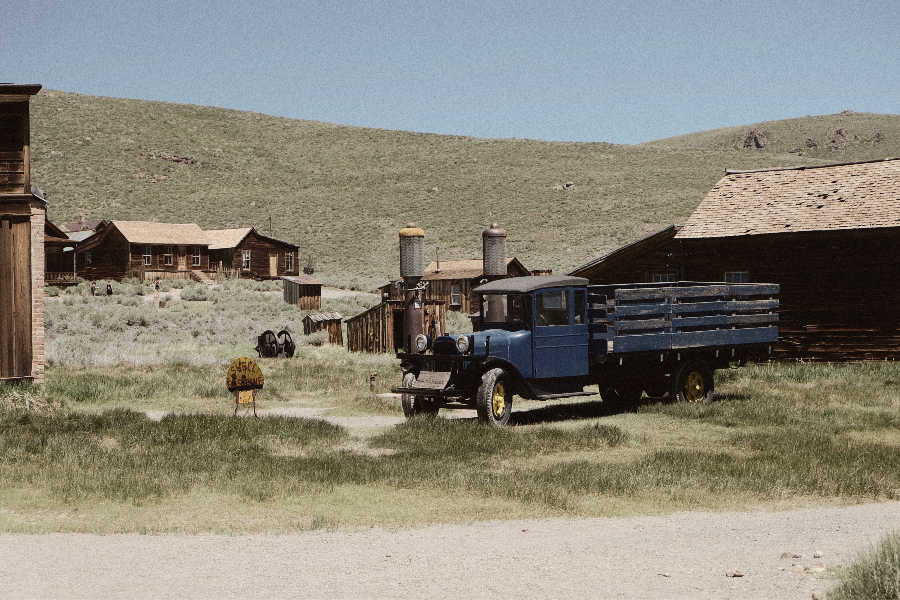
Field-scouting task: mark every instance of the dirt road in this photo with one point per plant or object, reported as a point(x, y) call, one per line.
point(684, 555)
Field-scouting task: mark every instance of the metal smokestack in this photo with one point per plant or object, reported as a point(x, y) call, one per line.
point(493, 253)
point(412, 268)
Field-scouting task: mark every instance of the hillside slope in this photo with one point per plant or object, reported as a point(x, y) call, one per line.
point(343, 192)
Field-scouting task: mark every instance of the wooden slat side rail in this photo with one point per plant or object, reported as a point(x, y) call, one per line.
point(754, 289)
point(642, 325)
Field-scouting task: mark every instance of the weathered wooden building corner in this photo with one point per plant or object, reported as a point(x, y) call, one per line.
point(23, 214)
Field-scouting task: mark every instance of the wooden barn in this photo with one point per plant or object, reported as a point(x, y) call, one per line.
point(325, 321)
point(452, 282)
point(829, 235)
point(23, 213)
point(145, 250)
point(247, 253)
point(302, 291)
point(652, 259)
point(380, 329)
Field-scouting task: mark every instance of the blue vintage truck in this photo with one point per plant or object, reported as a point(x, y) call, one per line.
point(547, 337)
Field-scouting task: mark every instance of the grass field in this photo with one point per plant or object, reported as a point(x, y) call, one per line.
point(342, 193)
point(140, 446)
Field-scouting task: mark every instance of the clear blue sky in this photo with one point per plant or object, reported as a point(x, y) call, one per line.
point(591, 71)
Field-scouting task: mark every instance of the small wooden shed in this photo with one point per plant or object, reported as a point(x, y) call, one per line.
point(325, 321)
point(303, 291)
point(380, 329)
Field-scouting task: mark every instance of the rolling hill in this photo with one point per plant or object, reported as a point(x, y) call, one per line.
point(343, 192)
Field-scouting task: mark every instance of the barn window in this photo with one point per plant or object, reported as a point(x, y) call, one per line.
point(455, 296)
point(663, 277)
point(85, 258)
point(246, 260)
point(289, 260)
point(737, 276)
point(148, 256)
point(195, 256)
point(167, 256)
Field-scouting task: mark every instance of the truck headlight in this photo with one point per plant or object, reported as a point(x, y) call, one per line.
point(462, 344)
point(421, 342)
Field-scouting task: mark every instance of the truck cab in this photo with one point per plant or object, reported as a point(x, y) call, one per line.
point(531, 339)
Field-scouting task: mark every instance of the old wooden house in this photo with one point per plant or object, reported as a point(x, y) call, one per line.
point(829, 235)
point(247, 253)
point(380, 329)
point(325, 321)
point(144, 250)
point(60, 267)
point(302, 291)
point(22, 230)
point(452, 282)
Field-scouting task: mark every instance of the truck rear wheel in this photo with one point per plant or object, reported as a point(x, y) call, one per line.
point(493, 400)
point(414, 405)
point(692, 382)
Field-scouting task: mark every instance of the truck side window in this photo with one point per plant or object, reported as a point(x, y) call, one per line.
point(579, 307)
point(552, 308)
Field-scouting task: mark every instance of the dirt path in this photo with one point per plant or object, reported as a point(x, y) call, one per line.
point(684, 555)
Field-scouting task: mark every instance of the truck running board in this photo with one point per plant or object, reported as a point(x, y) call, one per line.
point(565, 395)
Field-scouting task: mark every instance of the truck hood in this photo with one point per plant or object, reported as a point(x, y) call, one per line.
point(501, 341)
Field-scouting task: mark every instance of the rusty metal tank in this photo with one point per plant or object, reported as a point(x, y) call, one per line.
point(412, 252)
point(493, 248)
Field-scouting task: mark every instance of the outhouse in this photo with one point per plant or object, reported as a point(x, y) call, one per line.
point(325, 321)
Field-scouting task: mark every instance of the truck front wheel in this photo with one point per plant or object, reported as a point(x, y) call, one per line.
point(493, 400)
point(692, 382)
point(416, 405)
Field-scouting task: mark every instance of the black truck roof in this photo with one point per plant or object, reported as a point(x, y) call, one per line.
point(522, 285)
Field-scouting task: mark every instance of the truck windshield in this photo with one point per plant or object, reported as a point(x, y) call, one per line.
point(504, 311)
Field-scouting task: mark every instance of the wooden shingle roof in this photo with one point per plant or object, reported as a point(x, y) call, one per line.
point(219, 239)
point(849, 196)
point(147, 232)
point(319, 317)
point(468, 268)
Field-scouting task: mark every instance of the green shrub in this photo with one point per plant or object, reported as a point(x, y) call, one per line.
point(195, 292)
point(874, 576)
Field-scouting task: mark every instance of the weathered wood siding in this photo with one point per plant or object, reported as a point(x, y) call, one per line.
point(181, 267)
point(304, 296)
point(333, 327)
point(645, 262)
point(15, 297)
point(840, 290)
point(105, 259)
point(260, 251)
point(373, 330)
point(14, 148)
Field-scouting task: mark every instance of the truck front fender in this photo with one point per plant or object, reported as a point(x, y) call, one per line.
point(520, 384)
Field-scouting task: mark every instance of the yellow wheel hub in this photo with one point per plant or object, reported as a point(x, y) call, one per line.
point(498, 400)
point(694, 387)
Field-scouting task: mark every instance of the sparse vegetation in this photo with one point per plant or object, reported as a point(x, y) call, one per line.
point(344, 191)
point(773, 433)
point(874, 576)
